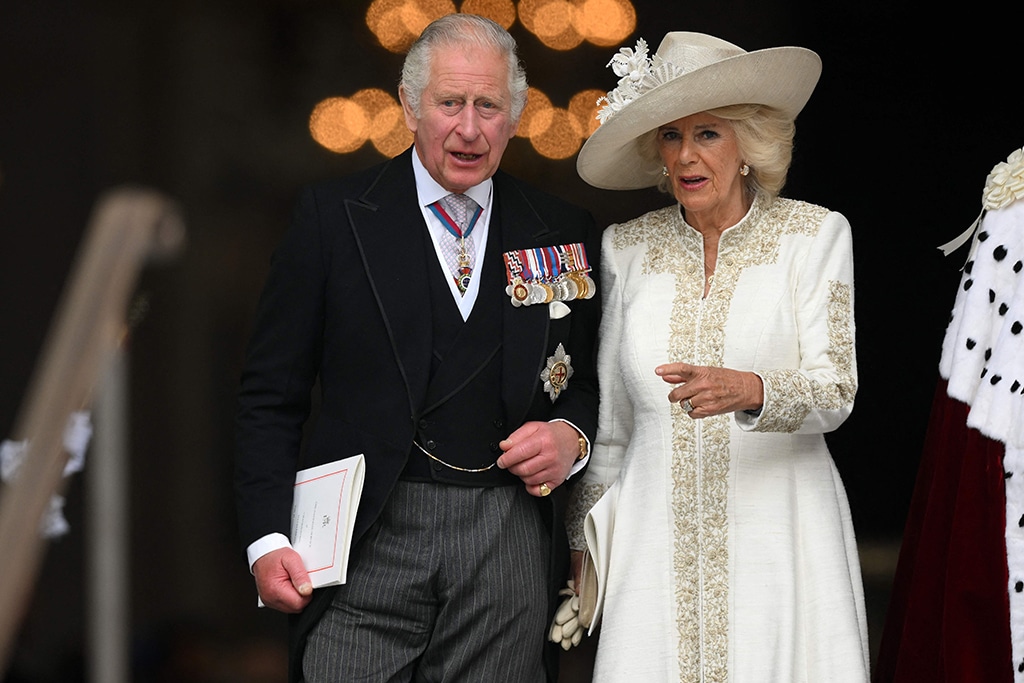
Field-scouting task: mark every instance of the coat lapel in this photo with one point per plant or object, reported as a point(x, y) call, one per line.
point(389, 232)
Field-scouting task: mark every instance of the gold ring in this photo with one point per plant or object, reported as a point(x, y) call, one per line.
point(687, 406)
point(544, 490)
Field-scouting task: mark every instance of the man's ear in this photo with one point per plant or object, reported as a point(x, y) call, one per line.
point(515, 126)
point(411, 121)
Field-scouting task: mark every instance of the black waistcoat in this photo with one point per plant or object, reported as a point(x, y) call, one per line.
point(463, 424)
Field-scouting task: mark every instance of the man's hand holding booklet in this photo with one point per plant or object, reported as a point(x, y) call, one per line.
point(323, 513)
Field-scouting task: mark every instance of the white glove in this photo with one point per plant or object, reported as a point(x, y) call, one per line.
point(565, 627)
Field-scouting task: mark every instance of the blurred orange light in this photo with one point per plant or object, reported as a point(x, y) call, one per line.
point(554, 132)
point(338, 124)
point(501, 12)
point(343, 125)
point(552, 21)
point(536, 104)
point(605, 22)
point(583, 106)
point(564, 24)
point(387, 129)
point(397, 23)
point(561, 138)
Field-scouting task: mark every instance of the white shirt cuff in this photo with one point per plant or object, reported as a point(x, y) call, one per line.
point(262, 546)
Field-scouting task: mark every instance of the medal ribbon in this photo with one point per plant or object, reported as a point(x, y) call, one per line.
point(513, 265)
point(547, 271)
point(546, 263)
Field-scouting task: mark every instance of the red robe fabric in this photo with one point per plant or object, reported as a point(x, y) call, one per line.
point(948, 617)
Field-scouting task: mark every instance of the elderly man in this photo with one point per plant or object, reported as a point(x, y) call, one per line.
point(456, 353)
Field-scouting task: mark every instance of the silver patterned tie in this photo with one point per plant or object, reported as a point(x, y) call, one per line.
point(459, 254)
point(459, 207)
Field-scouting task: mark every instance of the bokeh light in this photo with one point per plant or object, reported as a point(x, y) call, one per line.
point(605, 22)
point(386, 124)
point(537, 106)
point(583, 106)
point(343, 125)
point(557, 133)
point(338, 124)
point(552, 21)
point(564, 24)
point(561, 136)
point(501, 12)
point(397, 23)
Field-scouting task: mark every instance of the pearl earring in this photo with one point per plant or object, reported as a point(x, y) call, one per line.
point(664, 171)
point(744, 170)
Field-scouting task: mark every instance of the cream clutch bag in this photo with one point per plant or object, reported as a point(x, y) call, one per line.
point(588, 591)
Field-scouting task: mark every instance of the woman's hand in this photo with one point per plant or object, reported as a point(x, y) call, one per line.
point(705, 391)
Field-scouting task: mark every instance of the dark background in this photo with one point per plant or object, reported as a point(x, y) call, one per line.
point(209, 103)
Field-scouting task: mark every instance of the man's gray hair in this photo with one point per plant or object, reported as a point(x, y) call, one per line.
point(459, 30)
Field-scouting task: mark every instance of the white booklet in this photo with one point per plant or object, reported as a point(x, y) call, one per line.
point(323, 513)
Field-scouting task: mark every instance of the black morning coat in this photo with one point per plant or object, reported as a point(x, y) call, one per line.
point(347, 304)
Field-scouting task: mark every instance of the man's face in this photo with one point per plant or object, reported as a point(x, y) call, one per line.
point(465, 117)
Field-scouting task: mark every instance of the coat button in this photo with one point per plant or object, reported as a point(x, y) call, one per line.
point(431, 444)
point(423, 424)
point(499, 424)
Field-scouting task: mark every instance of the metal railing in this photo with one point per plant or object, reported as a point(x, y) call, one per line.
point(128, 227)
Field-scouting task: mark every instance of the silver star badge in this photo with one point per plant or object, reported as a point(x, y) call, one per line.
point(557, 373)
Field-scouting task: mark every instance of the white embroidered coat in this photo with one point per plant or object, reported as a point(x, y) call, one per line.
point(733, 556)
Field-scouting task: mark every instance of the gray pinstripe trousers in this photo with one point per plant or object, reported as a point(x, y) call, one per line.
point(450, 585)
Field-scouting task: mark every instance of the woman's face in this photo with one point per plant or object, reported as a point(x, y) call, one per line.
point(703, 162)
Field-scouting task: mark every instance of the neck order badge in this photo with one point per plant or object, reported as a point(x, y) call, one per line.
point(454, 213)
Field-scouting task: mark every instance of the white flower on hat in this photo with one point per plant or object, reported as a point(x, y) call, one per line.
point(630, 66)
point(637, 75)
point(1005, 184)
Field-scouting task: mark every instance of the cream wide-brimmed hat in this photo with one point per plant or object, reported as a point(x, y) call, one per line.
point(690, 73)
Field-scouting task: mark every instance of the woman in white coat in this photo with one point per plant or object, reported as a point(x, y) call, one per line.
point(726, 548)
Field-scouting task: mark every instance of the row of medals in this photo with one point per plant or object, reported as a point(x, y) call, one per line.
point(566, 287)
